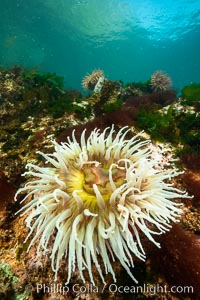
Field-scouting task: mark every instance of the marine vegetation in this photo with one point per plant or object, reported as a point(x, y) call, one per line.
point(96, 198)
point(135, 89)
point(7, 282)
point(161, 126)
point(26, 94)
point(182, 128)
point(191, 93)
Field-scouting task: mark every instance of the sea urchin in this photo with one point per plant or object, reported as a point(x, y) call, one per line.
point(95, 198)
point(160, 81)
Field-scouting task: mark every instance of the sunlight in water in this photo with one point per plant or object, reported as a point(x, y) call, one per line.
point(128, 39)
point(109, 20)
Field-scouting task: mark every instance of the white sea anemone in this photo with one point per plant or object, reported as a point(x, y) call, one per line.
point(95, 198)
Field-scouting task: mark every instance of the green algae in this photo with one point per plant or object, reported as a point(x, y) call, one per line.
point(160, 126)
point(191, 93)
point(112, 105)
point(7, 282)
point(34, 77)
point(175, 127)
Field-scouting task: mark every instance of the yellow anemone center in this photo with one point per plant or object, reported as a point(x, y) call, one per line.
point(83, 180)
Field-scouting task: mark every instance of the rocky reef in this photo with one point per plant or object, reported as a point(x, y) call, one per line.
point(36, 108)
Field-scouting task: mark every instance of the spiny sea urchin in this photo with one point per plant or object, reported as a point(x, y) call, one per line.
point(160, 81)
point(96, 198)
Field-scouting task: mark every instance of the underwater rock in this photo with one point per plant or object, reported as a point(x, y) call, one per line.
point(7, 192)
point(120, 118)
point(191, 160)
point(191, 220)
point(192, 183)
point(11, 84)
point(179, 260)
point(107, 99)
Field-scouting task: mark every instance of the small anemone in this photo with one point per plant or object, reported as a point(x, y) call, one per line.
point(90, 80)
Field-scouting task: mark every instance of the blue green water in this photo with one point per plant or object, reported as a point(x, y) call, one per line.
point(128, 39)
